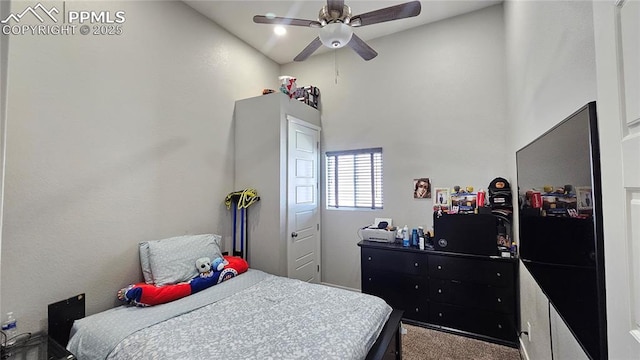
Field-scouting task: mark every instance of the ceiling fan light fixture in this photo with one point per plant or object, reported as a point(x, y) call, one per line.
point(279, 30)
point(335, 35)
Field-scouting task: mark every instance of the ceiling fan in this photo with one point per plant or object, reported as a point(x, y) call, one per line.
point(336, 22)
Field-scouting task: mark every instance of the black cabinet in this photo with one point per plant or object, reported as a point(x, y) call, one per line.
point(474, 295)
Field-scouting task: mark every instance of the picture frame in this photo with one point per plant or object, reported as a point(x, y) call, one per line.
point(465, 202)
point(422, 188)
point(441, 199)
point(584, 195)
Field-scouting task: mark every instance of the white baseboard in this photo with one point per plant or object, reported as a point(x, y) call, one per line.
point(340, 287)
point(523, 350)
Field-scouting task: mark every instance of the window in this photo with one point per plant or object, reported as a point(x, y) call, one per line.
point(354, 179)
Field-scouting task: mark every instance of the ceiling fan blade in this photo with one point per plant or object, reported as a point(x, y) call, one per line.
point(336, 5)
point(395, 12)
point(313, 46)
point(360, 47)
point(261, 19)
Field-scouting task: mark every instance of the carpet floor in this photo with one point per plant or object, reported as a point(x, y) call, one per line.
point(427, 344)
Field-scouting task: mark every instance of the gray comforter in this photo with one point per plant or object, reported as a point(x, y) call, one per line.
point(252, 316)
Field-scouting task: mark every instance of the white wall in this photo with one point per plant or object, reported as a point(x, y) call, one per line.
point(4, 57)
point(433, 99)
point(112, 141)
point(551, 66)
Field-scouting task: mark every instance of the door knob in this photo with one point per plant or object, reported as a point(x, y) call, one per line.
point(294, 234)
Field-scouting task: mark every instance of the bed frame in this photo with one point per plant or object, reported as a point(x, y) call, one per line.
point(389, 343)
point(62, 314)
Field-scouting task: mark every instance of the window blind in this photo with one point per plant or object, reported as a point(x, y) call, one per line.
point(354, 178)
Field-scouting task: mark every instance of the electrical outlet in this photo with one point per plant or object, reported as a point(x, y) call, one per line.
point(529, 331)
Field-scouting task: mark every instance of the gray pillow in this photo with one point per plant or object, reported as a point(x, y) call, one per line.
point(144, 262)
point(173, 260)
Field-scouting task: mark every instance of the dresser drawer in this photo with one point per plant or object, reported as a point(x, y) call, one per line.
point(488, 272)
point(418, 311)
point(394, 261)
point(394, 288)
point(404, 292)
point(479, 296)
point(487, 323)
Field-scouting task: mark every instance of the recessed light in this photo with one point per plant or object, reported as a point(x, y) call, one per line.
point(279, 30)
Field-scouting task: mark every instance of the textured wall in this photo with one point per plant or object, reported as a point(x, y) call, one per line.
point(114, 140)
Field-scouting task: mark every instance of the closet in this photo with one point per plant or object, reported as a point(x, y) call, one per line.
point(277, 152)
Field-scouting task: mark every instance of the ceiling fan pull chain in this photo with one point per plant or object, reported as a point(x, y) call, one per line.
point(335, 62)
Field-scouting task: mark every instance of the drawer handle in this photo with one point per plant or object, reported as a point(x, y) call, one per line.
point(417, 310)
point(439, 291)
point(499, 326)
point(498, 274)
point(369, 258)
point(439, 267)
point(416, 264)
point(416, 286)
point(440, 314)
point(369, 279)
point(499, 300)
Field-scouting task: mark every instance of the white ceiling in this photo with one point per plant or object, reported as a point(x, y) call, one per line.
point(237, 18)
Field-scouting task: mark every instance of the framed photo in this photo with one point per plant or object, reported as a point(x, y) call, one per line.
point(584, 197)
point(441, 199)
point(422, 188)
point(466, 202)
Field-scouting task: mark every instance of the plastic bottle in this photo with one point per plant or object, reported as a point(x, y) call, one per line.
point(405, 236)
point(514, 249)
point(10, 328)
point(414, 237)
point(421, 243)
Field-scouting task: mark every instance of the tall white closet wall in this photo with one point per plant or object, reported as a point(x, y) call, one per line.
point(277, 152)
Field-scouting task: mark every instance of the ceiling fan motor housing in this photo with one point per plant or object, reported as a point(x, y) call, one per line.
point(336, 34)
point(327, 16)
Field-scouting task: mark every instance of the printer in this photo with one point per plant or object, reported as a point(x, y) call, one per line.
point(379, 231)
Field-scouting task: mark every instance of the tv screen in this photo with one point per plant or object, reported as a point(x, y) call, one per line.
point(560, 224)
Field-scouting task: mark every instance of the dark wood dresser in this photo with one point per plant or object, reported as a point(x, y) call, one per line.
point(471, 295)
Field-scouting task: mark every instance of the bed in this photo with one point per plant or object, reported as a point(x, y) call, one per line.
point(252, 315)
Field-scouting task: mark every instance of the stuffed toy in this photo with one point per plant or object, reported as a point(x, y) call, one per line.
point(204, 267)
point(218, 264)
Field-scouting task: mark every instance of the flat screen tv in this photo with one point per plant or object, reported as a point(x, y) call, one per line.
point(560, 224)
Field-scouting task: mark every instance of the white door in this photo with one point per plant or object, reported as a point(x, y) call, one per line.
point(617, 34)
point(630, 103)
point(303, 213)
